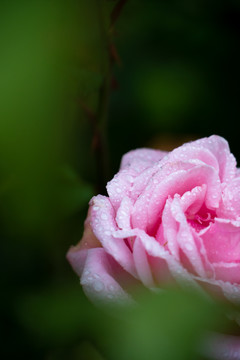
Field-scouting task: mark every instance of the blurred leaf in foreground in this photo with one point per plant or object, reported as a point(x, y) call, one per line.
point(168, 325)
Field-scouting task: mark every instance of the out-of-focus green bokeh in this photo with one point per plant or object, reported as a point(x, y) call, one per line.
point(82, 82)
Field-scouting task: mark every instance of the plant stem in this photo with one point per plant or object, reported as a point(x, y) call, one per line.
point(100, 123)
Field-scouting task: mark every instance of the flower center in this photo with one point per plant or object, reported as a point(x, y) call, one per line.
point(199, 221)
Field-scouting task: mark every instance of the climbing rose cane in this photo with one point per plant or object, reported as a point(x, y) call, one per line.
point(167, 217)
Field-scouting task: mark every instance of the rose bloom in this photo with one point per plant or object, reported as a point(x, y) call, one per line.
point(168, 217)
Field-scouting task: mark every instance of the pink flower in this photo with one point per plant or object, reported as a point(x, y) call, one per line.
point(168, 217)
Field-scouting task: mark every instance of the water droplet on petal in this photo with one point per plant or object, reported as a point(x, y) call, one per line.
point(188, 246)
point(112, 288)
point(104, 217)
point(98, 285)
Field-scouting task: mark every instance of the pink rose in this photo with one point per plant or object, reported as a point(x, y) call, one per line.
point(168, 217)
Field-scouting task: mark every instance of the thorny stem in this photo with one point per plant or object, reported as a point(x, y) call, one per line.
point(100, 121)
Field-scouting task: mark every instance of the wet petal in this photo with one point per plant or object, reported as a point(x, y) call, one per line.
point(98, 279)
point(120, 186)
point(230, 204)
point(229, 291)
point(145, 157)
point(192, 201)
point(227, 272)
point(103, 224)
point(77, 254)
point(220, 149)
point(123, 216)
point(185, 238)
point(142, 264)
point(193, 153)
point(170, 229)
point(150, 192)
point(148, 209)
point(222, 241)
point(221, 347)
point(154, 249)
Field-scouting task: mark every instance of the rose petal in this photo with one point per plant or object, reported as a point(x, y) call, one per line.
point(230, 204)
point(227, 272)
point(77, 254)
point(142, 180)
point(185, 238)
point(144, 156)
point(160, 270)
point(123, 216)
point(170, 229)
point(193, 153)
point(222, 242)
point(145, 185)
point(220, 149)
point(230, 291)
point(98, 279)
point(154, 249)
point(103, 225)
point(147, 210)
point(141, 263)
point(120, 186)
point(159, 175)
point(192, 201)
point(221, 347)
point(77, 259)
point(209, 268)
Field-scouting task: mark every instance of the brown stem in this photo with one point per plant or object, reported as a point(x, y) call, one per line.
point(100, 121)
point(116, 11)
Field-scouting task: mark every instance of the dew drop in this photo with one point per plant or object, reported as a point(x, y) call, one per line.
point(112, 288)
point(104, 217)
point(188, 246)
point(130, 178)
point(98, 285)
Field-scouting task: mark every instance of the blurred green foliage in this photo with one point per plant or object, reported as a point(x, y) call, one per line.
point(177, 74)
point(171, 324)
